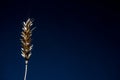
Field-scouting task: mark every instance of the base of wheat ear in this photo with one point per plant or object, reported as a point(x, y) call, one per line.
point(26, 42)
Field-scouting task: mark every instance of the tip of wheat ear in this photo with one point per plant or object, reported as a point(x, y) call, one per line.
point(26, 39)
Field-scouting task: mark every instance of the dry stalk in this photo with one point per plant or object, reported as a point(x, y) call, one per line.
point(26, 42)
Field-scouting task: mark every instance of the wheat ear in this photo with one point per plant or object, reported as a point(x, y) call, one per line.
point(26, 42)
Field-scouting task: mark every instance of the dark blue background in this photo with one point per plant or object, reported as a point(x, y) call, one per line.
point(73, 40)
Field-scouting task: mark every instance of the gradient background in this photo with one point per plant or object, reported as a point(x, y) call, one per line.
point(72, 40)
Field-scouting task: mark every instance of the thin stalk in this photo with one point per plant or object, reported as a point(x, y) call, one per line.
point(26, 66)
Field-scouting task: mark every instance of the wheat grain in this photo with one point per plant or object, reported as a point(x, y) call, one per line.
point(26, 42)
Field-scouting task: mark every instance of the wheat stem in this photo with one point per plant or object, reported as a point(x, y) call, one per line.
point(26, 65)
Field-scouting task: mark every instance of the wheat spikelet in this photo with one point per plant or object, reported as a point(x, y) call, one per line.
point(26, 42)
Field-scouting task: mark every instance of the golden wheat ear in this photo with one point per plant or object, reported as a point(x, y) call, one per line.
point(26, 42)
